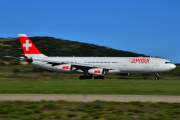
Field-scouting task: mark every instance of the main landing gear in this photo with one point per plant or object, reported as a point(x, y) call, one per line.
point(91, 76)
point(99, 77)
point(157, 76)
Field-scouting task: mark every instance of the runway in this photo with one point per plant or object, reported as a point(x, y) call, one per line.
point(89, 98)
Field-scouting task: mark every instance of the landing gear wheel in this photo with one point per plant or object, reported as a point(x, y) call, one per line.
point(88, 77)
point(98, 77)
point(157, 77)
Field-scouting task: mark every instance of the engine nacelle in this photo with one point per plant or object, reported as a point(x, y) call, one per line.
point(64, 67)
point(96, 71)
point(114, 71)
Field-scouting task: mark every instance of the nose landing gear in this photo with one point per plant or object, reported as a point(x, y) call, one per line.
point(157, 76)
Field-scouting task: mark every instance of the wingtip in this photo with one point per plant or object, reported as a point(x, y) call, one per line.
point(22, 35)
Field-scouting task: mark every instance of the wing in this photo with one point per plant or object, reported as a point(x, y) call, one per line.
point(76, 65)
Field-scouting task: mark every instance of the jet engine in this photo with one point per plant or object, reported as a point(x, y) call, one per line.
point(100, 71)
point(96, 71)
point(65, 67)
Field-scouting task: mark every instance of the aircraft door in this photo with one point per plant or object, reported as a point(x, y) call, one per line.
point(156, 64)
point(79, 61)
point(125, 66)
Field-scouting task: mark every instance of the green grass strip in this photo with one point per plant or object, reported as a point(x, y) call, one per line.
point(75, 86)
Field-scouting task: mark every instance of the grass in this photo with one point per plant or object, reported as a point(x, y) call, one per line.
point(30, 79)
point(98, 110)
point(75, 86)
point(52, 83)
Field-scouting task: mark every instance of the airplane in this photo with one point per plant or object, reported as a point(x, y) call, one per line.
point(94, 66)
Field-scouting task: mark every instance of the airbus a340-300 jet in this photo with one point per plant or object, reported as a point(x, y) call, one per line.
point(97, 66)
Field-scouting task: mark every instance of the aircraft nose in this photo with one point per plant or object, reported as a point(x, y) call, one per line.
point(173, 66)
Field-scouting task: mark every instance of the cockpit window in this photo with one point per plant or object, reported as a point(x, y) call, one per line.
point(167, 62)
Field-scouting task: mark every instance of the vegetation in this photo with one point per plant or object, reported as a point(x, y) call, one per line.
point(38, 85)
point(98, 110)
point(30, 79)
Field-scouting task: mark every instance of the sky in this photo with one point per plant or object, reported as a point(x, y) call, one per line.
point(150, 27)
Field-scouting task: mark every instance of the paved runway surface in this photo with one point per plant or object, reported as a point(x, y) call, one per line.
point(89, 98)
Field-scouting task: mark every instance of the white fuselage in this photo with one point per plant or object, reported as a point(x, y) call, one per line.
point(120, 64)
point(90, 66)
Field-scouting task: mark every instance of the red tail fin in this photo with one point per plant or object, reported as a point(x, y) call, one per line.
point(28, 47)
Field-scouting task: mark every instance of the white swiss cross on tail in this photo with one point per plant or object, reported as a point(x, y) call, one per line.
point(27, 45)
point(29, 49)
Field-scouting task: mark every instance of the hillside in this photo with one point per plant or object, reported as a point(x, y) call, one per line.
point(58, 47)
